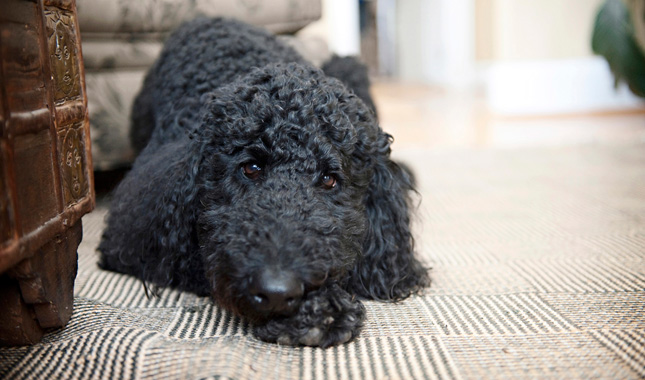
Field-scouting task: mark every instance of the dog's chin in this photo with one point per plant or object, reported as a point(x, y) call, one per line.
point(231, 293)
point(244, 309)
point(241, 306)
point(259, 318)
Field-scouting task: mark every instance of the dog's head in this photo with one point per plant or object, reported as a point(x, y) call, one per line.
point(299, 190)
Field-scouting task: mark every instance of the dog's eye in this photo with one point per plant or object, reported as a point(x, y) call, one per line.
point(251, 170)
point(328, 181)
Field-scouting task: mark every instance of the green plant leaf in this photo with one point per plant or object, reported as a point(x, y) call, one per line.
point(613, 38)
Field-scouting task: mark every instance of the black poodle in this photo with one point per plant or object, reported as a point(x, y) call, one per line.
point(265, 183)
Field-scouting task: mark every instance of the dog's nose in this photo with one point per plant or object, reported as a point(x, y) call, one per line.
point(273, 291)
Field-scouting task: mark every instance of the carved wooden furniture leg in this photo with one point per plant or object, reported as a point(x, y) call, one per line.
point(46, 181)
point(38, 293)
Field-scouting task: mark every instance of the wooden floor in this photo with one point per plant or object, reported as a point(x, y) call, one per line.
point(423, 117)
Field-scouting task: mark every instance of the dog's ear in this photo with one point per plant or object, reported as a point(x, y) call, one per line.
point(388, 269)
point(151, 225)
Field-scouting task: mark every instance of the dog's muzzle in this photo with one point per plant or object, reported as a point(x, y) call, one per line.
point(272, 291)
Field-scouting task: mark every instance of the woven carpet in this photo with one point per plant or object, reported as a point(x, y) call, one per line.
point(538, 263)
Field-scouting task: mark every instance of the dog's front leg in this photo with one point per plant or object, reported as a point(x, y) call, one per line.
point(326, 317)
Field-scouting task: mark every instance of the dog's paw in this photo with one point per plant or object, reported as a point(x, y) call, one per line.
point(327, 317)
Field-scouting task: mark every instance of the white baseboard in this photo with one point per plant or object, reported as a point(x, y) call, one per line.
point(556, 87)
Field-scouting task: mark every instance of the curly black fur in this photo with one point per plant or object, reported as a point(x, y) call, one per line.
point(353, 74)
point(326, 204)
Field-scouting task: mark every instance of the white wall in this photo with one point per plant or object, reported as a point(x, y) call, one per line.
point(436, 41)
point(539, 60)
point(532, 57)
point(338, 26)
point(545, 29)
